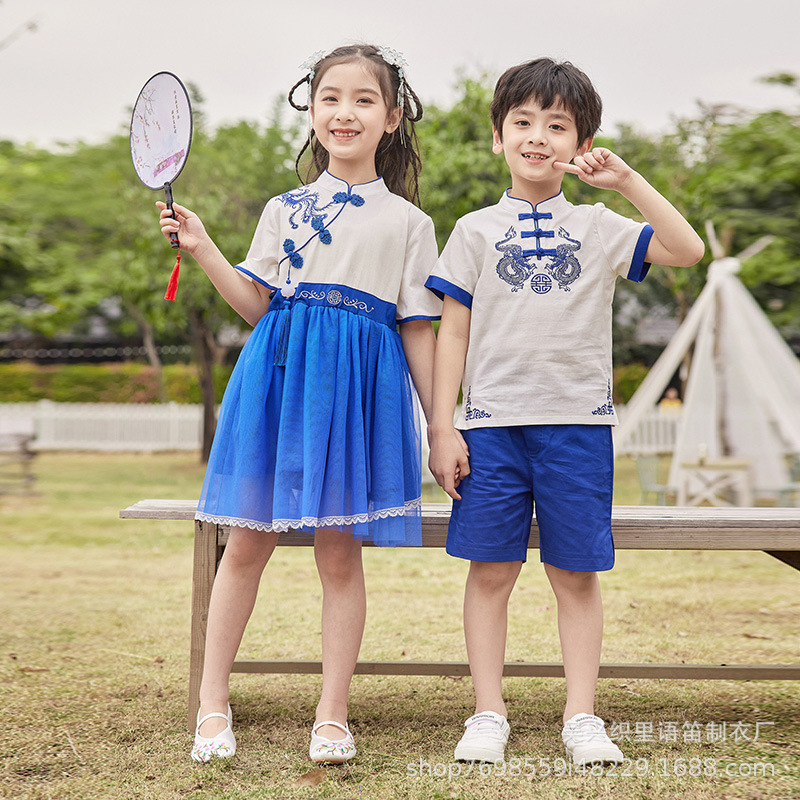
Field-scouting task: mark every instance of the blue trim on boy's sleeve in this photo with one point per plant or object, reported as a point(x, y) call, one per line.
point(639, 267)
point(421, 316)
point(440, 287)
point(255, 277)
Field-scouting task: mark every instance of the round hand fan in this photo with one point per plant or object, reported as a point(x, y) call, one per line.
point(161, 135)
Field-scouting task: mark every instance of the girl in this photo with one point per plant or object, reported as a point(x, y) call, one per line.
point(318, 430)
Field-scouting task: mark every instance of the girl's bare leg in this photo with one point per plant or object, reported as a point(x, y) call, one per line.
point(232, 601)
point(344, 611)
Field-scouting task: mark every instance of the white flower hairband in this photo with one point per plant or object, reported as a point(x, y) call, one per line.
point(394, 58)
point(311, 62)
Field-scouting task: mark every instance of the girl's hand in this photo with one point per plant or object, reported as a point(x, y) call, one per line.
point(599, 167)
point(190, 230)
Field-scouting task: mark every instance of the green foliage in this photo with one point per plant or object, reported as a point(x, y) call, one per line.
point(77, 227)
point(627, 378)
point(128, 382)
point(460, 173)
point(751, 187)
point(79, 233)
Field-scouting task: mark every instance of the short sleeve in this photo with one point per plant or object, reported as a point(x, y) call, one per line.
point(457, 270)
point(414, 300)
point(263, 256)
point(624, 242)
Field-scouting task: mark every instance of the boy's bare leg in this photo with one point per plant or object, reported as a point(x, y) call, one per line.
point(232, 601)
point(344, 611)
point(580, 628)
point(489, 586)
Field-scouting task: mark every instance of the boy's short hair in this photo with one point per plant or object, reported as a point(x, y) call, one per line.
point(549, 83)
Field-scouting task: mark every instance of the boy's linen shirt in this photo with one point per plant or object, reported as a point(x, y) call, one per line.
point(540, 283)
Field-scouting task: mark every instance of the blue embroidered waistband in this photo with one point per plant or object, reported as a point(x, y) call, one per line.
point(334, 295)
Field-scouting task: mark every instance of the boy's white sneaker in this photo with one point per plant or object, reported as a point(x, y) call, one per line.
point(586, 740)
point(485, 738)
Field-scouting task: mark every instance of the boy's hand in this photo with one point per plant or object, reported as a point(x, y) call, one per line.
point(187, 225)
point(599, 167)
point(449, 460)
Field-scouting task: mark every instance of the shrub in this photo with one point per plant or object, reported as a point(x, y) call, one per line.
point(119, 382)
point(627, 379)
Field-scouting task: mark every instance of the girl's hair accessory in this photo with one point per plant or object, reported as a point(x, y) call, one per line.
point(311, 62)
point(394, 58)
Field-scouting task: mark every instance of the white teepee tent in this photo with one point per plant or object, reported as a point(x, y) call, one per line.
point(742, 397)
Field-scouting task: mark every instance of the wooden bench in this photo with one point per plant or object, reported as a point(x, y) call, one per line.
point(773, 530)
point(16, 462)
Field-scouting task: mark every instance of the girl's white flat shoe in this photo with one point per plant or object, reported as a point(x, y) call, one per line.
point(223, 745)
point(331, 751)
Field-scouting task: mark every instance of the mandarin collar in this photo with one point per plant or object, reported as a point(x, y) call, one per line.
point(553, 204)
point(333, 184)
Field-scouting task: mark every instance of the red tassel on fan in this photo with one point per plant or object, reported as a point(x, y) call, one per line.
point(172, 289)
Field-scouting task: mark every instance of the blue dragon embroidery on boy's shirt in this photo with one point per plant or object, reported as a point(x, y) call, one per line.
point(608, 407)
point(470, 411)
point(565, 267)
point(515, 269)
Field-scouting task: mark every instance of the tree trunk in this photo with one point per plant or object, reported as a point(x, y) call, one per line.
point(149, 342)
point(204, 358)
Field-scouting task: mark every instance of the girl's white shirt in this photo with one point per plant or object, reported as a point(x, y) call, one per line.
point(384, 246)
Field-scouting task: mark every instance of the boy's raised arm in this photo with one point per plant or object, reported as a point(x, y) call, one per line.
point(675, 243)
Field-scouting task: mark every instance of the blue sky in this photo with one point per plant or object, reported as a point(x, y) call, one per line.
point(78, 73)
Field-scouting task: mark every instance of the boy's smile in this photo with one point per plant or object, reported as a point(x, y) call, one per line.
point(533, 139)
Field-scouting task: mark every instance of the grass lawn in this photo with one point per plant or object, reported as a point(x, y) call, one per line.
point(94, 661)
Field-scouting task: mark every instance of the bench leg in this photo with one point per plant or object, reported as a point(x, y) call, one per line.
point(204, 571)
point(790, 557)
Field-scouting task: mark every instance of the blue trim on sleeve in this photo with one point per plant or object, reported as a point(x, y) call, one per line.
point(639, 267)
point(411, 319)
point(440, 287)
point(255, 277)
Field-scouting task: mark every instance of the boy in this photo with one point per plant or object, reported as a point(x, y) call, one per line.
point(526, 331)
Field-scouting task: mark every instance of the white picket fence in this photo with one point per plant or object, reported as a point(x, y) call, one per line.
point(657, 432)
point(105, 426)
point(172, 426)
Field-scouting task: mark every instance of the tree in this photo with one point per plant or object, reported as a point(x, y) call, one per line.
point(77, 228)
point(232, 175)
point(751, 187)
point(460, 173)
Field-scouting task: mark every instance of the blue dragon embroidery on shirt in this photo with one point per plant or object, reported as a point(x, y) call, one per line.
point(513, 267)
point(565, 267)
point(304, 201)
point(608, 407)
point(471, 412)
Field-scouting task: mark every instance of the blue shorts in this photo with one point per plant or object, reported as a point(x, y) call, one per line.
point(568, 470)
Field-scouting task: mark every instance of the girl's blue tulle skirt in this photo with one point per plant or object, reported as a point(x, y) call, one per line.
point(330, 440)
